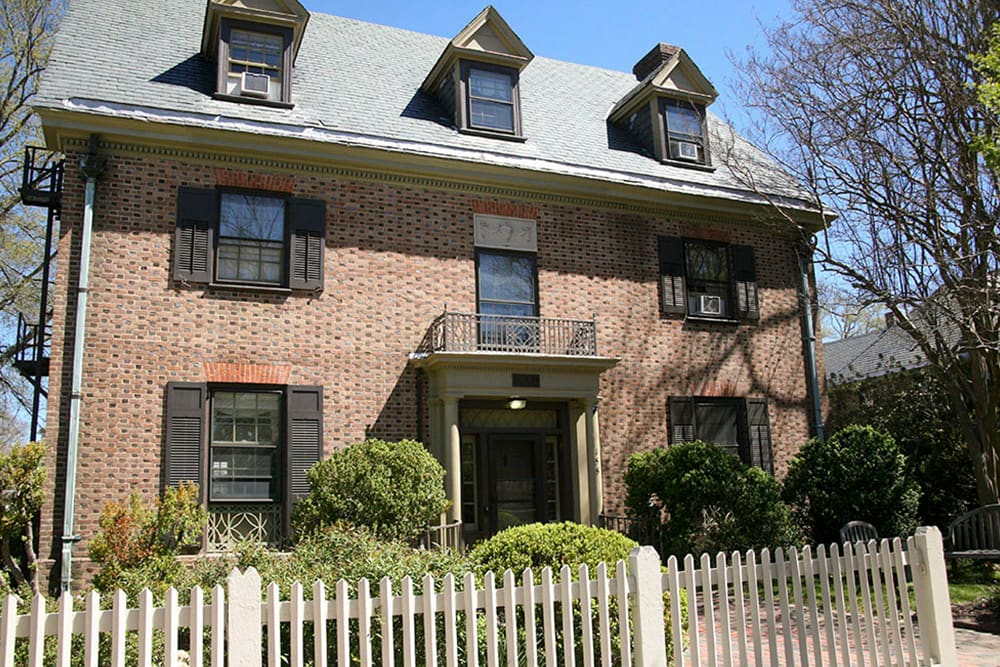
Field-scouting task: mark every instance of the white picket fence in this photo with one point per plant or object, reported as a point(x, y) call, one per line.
point(847, 608)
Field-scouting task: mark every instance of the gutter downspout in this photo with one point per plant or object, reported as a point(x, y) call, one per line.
point(809, 337)
point(92, 166)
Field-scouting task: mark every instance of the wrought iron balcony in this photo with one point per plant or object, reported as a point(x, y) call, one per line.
point(31, 347)
point(477, 332)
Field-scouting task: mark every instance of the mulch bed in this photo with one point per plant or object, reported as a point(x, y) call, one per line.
point(976, 616)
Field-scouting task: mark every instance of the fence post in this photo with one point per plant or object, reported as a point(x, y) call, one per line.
point(244, 622)
point(930, 584)
point(647, 608)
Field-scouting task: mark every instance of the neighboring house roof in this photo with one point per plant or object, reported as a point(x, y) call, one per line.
point(358, 84)
point(871, 355)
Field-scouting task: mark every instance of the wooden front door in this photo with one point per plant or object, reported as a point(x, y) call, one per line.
point(515, 481)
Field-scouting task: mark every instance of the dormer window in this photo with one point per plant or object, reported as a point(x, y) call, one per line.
point(476, 78)
point(491, 100)
point(685, 130)
point(254, 45)
point(254, 63)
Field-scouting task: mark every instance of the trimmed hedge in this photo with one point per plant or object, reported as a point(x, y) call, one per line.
point(858, 473)
point(395, 489)
point(707, 501)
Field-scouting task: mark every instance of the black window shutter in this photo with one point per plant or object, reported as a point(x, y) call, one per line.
point(306, 241)
point(759, 425)
point(304, 441)
point(672, 290)
point(194, 237)
point(745, 275)
point(183, 448)
point(681, 419)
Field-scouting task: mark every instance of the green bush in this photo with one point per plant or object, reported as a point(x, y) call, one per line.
point(138, 544)
point(914, 408)
point(707, 501)
point(394, 488)
point(536, 546)
point(856, 474)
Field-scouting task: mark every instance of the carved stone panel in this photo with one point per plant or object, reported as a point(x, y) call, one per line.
point(494, 231)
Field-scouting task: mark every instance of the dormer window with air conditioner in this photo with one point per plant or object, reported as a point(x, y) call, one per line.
point(253, 63)
point(477, 76)
point(666, 111)
point(685, 130)
point(254, 48)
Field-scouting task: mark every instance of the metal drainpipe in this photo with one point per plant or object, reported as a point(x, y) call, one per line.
point(92, 166)
point(809, 337)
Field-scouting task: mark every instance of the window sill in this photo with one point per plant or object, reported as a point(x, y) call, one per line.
point(246, 99)
point(493, 135)
point(246, 287)
point(718, 320)
point(688, 165)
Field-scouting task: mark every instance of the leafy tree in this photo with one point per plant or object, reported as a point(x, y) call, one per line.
point(394, 488)
point(912, 407)
point(869, 103)
point(26, 31)
point(987, 64)
point(22, 490)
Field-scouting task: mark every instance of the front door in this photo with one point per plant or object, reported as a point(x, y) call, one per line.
point(516, 485)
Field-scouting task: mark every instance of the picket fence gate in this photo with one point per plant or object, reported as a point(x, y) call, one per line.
point(848, 608)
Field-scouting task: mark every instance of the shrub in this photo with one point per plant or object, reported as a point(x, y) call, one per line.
point(856, 474)
point(536, 546)
point(707, 500)
point(22, 478)
point(138, 544)
point(914, 408)
point(394, 488)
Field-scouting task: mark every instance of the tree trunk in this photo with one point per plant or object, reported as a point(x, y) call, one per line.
point(29, 551)
point(11, 564)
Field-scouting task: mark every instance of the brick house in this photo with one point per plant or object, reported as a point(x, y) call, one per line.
point(296, 231)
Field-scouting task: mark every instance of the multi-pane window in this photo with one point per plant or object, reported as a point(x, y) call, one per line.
point(245, 446)
point(507, 284)
point(259, 54)
point(708, 279)
point(708, 282)
point(251, 239)
point(491, 100)
point(741, 426)
point(685, 123)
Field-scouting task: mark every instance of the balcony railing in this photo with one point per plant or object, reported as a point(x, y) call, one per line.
point(31, 348)
point(42, 178)
point(476, 332)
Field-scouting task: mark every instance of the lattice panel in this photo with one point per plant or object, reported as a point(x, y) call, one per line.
point(231, 524)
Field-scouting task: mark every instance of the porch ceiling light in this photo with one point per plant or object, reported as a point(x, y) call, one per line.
point(516, 403)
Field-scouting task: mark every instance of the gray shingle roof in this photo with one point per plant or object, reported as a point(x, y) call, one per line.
point(871, 355)
point(358, 83)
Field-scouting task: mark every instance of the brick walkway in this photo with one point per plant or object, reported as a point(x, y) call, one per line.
point(975, 649)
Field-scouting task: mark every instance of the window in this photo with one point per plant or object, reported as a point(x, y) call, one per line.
point(741, 426)
point(248, 447)
point(685, 130)
point(708, 279)
point(246, 429)
point(254, 63)
point(253, 239)
point(491, 101)
point(508, 305)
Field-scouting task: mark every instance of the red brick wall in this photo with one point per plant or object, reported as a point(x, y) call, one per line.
point(396, 256)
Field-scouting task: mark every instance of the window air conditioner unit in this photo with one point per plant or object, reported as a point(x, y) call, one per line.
point(255, 85)
point(684, 150)
point(709, 305)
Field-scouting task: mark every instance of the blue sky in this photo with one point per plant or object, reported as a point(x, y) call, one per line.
point(606, 34)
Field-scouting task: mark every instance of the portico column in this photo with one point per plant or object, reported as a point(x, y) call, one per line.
point(594, 459)
point(452, 458)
